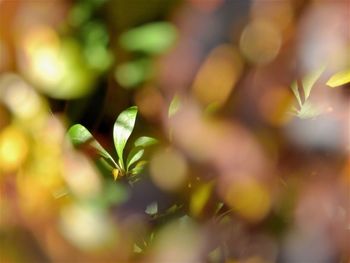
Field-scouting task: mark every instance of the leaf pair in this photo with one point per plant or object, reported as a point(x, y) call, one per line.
point(123, 127)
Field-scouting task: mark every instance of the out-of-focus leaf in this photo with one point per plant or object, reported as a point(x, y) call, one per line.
point(174, 106)
point(145, 141)
point(151, 238)
point(106, 164)
point(173, 209)
point(137, 249)
point(212, 108)
point(134, 156)
point(218, 207)
point(153, 38)
point(98, 57)
point(122, 130)
point(295, 90)
point(152, 209)
point(200, 198)
point(61, 72)
point(79, 135)
point(310, 80)
point(339, 79)
point(138, 168)
point(114, 193)
point(80, 13)
point(133, 73)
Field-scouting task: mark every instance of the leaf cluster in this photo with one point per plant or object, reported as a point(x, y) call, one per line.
point(123, 127)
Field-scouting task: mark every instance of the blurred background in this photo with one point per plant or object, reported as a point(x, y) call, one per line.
point(252, 164)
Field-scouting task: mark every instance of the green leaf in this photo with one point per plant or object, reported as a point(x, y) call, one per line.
point(152, 38)
point(138, 168)
point(310, 79)
point(79, 135)
point(145, 141)
point(295, 90)
point(174, 107)
point(200, 197)
point(339, 79)
point(134, 155)
point(122, 130)
point(106, 164)
point(133, 73)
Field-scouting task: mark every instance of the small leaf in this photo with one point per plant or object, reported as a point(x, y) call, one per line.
point(134, 155)
point(152, 209)
point(310, 79)
point(123, 128)
point(339, 79)
point(145, 141)
point(295, 90)
point(137, 249)
point(218, 207)
point(199, 198)
point(79, 135)
point(138, 168)
point(115, 173)
point(174, 107)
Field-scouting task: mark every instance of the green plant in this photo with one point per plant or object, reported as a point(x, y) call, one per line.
point(306, 108)
point(123, 127)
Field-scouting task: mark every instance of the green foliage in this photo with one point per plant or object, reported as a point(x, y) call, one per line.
point(134, 155)
point(339, 79)
point(133, 73)
point(123, 127)
point(153, 38)
point(306, 108)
